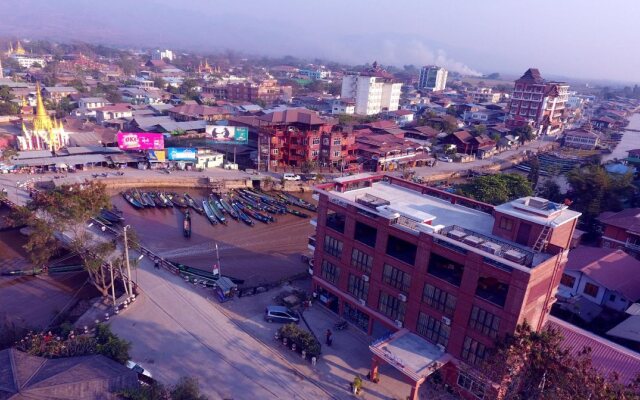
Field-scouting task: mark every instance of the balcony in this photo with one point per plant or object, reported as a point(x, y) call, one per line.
point(632, 244)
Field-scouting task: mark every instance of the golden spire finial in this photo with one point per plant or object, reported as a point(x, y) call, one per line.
point(42, 121)
point(24, 101)
point(24, 128)
point(40, 110)
point(19, 49)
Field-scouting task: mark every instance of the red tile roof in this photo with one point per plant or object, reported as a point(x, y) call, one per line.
point(293, 115)
point(531, 75)
point(613, 269)
point(607, 357)
point(628, 219)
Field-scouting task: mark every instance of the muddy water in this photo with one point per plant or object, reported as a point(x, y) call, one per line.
point(259, 254)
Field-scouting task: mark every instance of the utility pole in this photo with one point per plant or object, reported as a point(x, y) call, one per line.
point(126, 257)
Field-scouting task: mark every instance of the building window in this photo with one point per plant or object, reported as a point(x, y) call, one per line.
point(471, 385)
point(439, 299)
point(396, 278)
point(361, 260)
point(337, 142)
point(274, 151)
point(329, 272)
point(492, 290)
point(568, 280)
point(433, 329)
point(358, 287)
point(335, 221)
point(612, 297)
point(483, 321)
point(445, 269)
point(591, 289)
point(316, 140)
point(325, 141)
point(392, 306)
point(332, 246)
point(472, 351)
point(357, 317)
point(365, 234)
point(506, 224)
point(401, 249)
point(314, 153)
point(336, 154)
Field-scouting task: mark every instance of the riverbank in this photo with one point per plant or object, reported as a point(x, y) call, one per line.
point(630, 140)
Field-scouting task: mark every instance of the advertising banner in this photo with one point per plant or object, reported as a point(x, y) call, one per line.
point(181, 154)
point(140, 141)
point(157, 155)
point(228, 134)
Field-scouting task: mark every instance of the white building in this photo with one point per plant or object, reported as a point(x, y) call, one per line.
point(27, 61)
point(433, 78)
point(343, 107)
point(315, 74)
point(373, 91)
point(162, 54)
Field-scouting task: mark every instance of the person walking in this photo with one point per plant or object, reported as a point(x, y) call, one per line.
point(329, 338)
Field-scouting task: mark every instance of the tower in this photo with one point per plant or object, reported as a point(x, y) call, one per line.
point(19, 49)
point(44, 133)
point(1, 72)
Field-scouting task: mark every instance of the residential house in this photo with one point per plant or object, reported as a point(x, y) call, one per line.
point(342, 106)
point(382, 151)
point(195, 112)
point(115, 111)
point(601, 123)
point(421, 132)
point(57, 93)
point(581, 138)
point(606, 277)
point(401, 117)
point(621, 230)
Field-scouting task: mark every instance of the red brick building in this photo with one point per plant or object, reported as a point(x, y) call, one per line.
point(621, 230)
point(267, 91)
point(298, 136)
point(438, 273)
point(197, 112)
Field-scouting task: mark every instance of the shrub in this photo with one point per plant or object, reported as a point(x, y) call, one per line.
point(303, 339)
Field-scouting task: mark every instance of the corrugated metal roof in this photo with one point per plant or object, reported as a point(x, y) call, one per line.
point(607, 357)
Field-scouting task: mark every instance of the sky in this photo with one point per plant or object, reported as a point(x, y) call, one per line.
point(583, 39)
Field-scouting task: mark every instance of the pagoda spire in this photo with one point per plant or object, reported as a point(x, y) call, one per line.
point(42, 121)
point(19, 49)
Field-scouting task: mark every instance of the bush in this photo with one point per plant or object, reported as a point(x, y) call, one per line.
point(303, 340)
point(110, 345)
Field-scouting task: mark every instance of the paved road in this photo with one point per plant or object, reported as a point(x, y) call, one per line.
point(443, 167)
point(176, 332)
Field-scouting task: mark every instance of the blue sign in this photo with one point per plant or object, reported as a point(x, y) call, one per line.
point(181, 154)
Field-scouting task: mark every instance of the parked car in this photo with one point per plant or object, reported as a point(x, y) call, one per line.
point(143, 374)
point(445, 159)
point(280, 314)
point(291, 177)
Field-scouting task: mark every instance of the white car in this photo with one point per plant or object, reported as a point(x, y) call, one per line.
point(445, 159)
point(291, 177)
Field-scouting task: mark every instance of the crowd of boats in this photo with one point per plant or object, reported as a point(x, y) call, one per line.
point(243, 205)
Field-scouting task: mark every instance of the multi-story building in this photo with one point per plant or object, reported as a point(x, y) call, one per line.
point(292, 138)
point(267, 91)
point(436, 273)
point(28, 61)
point(373, 90)
point(621, 230)
point(315, 73)
point(484, 95)
point(538, 102)
point(162, 54)
point(432, 78)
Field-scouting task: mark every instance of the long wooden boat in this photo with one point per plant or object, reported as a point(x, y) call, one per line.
point(186, 225)
point(209, 213)
point(111, 216)
point(243, 217)
point(129, 198)
point(148, 199)
point(178, 200)
point(227, 207)
point(192, 203)
point(165, 200)
point(140, 199)
point(216, 211)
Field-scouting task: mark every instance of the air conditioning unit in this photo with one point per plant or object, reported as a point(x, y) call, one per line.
point(399, 323)
point(402, 297)
point(362, 302)
point(442, 348)
point(365, 278)
point(446, 321)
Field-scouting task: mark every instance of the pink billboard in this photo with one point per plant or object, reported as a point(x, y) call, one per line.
point(140, 141)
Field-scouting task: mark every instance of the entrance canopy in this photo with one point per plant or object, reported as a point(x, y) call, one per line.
point(410, 354)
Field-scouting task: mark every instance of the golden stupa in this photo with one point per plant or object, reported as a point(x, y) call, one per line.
point(45, 133)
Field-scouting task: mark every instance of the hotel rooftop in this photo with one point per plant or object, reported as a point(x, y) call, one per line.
point(451, 219)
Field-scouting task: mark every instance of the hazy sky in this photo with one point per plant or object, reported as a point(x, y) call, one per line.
point(575, 38)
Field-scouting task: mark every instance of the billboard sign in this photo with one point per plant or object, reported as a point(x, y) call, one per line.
point(228, 134)
point(157, 155)
point(140, 141)
point(181, 154)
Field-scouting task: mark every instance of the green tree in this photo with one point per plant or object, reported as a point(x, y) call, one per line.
point(550, 190)
point(187, 388)
point(110, 345)
point(496, 189)
point(531, 365)
point(159, 82)
point(525, 133)
point(479, 129)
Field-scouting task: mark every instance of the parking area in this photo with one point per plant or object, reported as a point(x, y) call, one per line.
point(348, 356)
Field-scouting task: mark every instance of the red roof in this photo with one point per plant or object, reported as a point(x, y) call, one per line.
point(614, 269)
point(607, 357)
point(628, 219)
point(120, 107)
point(531, 75)
point(463, 136)
point(197, 110)
point(293, 115)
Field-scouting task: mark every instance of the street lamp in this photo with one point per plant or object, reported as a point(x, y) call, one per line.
point(126, 257)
